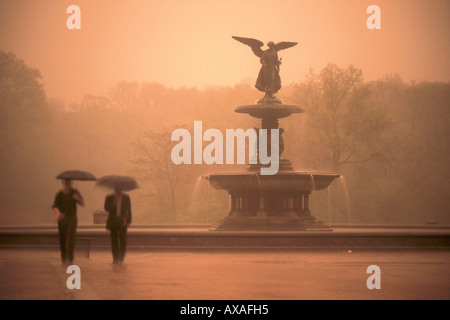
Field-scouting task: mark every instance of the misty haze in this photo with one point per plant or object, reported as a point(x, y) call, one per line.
point(106, 98)
point(135, 138)
point(390, 142)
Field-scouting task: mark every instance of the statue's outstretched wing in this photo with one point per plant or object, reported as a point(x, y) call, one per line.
point(253, 43)
point(284, 45)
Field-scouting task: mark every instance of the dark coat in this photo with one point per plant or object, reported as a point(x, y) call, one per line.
point(125, 212)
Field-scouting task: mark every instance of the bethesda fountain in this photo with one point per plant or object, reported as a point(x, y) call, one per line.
point(270, 202)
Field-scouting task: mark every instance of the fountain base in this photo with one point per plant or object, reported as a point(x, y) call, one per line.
point(275, 223)
point(278, 202)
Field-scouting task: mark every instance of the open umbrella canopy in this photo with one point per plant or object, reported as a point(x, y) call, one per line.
point(124, 183)
point(76, 175)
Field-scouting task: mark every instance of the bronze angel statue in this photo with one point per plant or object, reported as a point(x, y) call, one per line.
point(268, 80)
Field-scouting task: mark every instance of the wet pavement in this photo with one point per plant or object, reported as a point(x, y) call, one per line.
point(161, 274)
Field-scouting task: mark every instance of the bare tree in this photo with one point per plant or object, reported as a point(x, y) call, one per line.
point(345, 122)
point(154, 166)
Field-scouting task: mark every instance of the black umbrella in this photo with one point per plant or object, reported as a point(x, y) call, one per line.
point(124, 183)
point(76, 175)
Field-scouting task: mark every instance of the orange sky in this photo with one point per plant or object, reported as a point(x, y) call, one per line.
point(188, 42)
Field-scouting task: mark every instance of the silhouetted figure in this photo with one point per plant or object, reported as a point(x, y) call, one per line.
point(268, 80)
point(65, 208)
point(118, 205)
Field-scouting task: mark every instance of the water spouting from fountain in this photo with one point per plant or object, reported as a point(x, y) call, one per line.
point(259, 183)
point(201, 194)
point(195, 192)
point(329, 205)
point(348, 209)
point(313, 188)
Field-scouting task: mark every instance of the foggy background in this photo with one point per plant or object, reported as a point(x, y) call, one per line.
point(106, 99)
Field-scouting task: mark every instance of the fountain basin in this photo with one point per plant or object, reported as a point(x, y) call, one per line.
point(269, 110)
point(283, 181)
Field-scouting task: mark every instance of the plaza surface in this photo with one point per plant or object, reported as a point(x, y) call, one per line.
point(226, 274)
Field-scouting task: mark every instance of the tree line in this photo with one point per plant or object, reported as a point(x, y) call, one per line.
point(387, 138)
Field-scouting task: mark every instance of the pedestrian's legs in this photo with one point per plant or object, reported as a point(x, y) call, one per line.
point(115, 243)
point(62, 232)
point(71, 232)
point(122, 243)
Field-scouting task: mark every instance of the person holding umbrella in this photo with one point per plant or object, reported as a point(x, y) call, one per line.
point(118, 205)
point(65, 209)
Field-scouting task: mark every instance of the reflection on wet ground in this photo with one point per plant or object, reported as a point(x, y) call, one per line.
point(227, 274)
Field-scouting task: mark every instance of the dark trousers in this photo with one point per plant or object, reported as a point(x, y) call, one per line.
point(67, 228)
point(118, 242)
